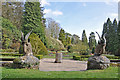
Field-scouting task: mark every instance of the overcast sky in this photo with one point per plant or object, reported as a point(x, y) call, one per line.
point(75, 16)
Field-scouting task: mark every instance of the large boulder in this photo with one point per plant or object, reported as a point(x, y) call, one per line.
point(98, 62)
point(26, 62)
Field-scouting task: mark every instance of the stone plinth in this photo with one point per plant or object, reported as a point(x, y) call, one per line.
point(58, 58)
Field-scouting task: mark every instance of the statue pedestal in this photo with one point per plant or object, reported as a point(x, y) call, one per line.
point(58, 58)
point(98, 62)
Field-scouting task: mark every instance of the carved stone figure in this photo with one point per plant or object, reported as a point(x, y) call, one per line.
point(28, 60)
point(27, 48)
point(100, 48)
point(98, 61)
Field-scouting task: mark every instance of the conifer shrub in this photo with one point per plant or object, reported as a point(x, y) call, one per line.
point(38, 47)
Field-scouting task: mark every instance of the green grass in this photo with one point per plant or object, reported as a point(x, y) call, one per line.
point(111, 72)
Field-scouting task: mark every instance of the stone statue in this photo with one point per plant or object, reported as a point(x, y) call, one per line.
point(28, 60)
point(98, 61)
point(100, 48)
point(27, 48)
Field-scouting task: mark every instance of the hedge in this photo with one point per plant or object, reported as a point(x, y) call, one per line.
point(7, 50)
point(81, 57)
point(8, 54)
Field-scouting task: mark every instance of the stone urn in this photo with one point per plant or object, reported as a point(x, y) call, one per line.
point(58, 58)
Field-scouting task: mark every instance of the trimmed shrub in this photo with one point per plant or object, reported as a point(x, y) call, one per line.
point(54, 44)
point(10, 54)
point(37, 46)
point(39, 56)
point(7, 50)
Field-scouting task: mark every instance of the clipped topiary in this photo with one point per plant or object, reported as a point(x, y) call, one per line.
point(54, 44)
point(38, 47)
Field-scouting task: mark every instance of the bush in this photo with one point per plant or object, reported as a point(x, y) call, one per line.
point(54, 44)
point(39, 56)
point(37, 46)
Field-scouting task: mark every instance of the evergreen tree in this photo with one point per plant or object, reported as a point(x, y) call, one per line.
point(13, 11)
point(62, 37)
point(111, 35)
point(33, 19)
point(84, 38)
point(115, 37)
point(68, 41)
point(92, 40)
point(118, 33)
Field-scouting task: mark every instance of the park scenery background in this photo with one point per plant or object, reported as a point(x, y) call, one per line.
point(66, 27)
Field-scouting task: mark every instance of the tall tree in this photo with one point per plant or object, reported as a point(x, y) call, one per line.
point(111, 35)
point(84, 38)
point(92, 40)
point(75, 39)
point(13, 11)
point(62, 37)
point(118, 33)
point(53, 28)
point(33, 19)
point(115, 42)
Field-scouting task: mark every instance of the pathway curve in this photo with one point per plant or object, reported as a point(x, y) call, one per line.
point(47, 64)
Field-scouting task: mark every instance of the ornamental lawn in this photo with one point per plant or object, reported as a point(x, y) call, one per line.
point(111, 72)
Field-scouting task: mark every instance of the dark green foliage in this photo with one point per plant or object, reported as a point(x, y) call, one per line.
point(37, 46)
point(62, 37)
point(118, 44)
point(92, 40)
point(68, 41)
point(84, 38)
point(70, 48)
point(93, 49)
point(13, 11)
point(10, 34)
point(111, 35)
point(33, 19)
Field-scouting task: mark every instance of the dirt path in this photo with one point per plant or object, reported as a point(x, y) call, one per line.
point(47, 64)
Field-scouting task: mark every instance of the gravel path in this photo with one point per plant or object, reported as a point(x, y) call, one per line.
point(47, 64)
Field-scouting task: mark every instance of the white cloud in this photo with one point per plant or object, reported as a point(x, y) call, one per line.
point(44, 3)
point(50, 13)
point(47, 11)
point(57, 13)
point(84, 4)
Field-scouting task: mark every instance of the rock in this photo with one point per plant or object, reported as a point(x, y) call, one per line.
point(26, 62)
point(58, 58)
point(98, 62)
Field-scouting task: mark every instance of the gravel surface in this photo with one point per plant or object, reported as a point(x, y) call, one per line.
point(47, 64)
